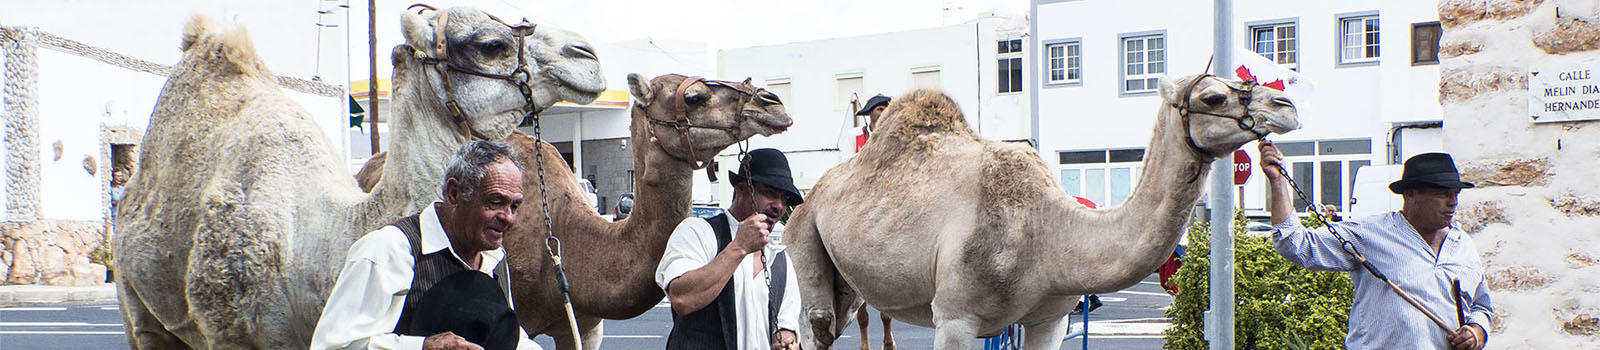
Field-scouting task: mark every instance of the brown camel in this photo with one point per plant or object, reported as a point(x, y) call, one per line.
point(991, 238)
point(236, 227)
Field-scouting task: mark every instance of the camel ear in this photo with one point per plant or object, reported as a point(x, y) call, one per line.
point(1169, 90)
point(197, 27)
point(418, 32)
point(640, 88)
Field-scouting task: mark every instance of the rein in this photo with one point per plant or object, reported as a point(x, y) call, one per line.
point(679, 109)
point(1244, 120)
point(440, 61)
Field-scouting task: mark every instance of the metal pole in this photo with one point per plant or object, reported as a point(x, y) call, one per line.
point(372, 71)
point(1221, 198)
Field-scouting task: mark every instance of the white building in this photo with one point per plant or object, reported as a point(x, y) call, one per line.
point(979, 63)
point(1374, 64)
point(81, 79)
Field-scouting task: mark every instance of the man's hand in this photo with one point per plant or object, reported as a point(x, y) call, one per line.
point(1271, 161)
point(784, 340)
point(1468, 337)
point(752, 235)
point(448, 341)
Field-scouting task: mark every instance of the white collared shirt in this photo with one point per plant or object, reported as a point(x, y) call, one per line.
point(370, 294)
point(693, 244)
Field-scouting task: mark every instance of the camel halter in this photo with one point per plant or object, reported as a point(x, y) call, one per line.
point(1245, 121)
point(522, 78)
point(519, 76)
point(679, 109)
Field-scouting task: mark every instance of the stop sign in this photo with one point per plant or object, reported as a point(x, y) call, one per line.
point(1241, 167)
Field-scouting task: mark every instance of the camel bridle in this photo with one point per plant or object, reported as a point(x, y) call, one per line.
point(678, 107)
point(520, 76)
point(1244, 120)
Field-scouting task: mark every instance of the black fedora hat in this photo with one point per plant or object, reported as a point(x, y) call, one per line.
point(1429, 170)
point(471, 304)
point(768, 167)
point(873, 102)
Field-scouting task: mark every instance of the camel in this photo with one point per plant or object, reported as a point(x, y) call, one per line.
point(237, 224)
point(611, 266)
point(938, 228)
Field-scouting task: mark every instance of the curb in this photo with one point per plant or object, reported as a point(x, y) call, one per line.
point(17, 295)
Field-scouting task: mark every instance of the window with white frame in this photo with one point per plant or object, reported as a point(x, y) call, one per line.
point(1325, 170)
point(780, 87)
point(1009, 60)
point(926, 78)
point(844, 86)
point(1277, 42)
point(1144, 62)
point(1358, 39)
point(1066, 62)
point(1105, 177)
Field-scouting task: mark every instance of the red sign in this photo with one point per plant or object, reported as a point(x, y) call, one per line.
point(1241, 167)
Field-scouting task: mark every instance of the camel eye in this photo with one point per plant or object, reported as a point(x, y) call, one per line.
point(493, 46)
point(1283, 101)
point(1213, 99)
point(582, 51)
point(696, 99)
point(769, 97)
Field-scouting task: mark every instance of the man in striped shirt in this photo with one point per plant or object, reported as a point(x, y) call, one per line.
point(1416, 247)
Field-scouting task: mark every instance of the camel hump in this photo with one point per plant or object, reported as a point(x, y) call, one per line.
point(924, 111)
point(1014, 176)
point(233, 47)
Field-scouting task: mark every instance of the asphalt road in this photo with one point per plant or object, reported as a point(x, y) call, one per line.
point(1130, 319)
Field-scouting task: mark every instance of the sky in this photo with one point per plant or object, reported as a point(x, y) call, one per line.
point(720, 24)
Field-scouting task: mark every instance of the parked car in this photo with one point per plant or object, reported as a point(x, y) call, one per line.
point(589, 195)
point(624, 206)
point(705, 210)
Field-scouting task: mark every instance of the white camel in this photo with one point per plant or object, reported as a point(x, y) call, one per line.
point(936, 227)
point(235, 228)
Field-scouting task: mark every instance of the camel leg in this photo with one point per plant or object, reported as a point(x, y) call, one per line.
point(593, 329)
point(1045, 335)
point(888, 337)
point(861, 319)
point(826, 302)
point(143, 330)
point(953, 333)
point(590, 333)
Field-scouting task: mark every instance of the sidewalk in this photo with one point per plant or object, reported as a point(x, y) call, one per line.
point(15, 295)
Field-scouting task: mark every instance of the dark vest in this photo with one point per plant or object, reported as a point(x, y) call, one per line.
point(714, 326)
point(430, 269)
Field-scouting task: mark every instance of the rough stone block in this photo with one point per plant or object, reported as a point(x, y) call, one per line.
point(1458, 49)
point(1514, 172)
point(1579, 260)
point(1569, 35)
point(52, 252)
point(1574, 205)
point(1517, 278)
point(1474, 218)
point(1579, 323)
point(1462, 84)
point(1456, 13)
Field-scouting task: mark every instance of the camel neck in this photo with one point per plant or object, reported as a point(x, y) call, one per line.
point(421, 141)
point(1145, 229)
point(664, 194)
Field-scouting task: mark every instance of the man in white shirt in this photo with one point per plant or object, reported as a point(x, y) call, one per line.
point(723, 293)
point(387, 272)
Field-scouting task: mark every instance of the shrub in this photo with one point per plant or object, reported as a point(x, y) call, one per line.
point(1280, 305)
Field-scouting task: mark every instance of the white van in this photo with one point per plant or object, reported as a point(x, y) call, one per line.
point(589, 195)
point(1371, 195)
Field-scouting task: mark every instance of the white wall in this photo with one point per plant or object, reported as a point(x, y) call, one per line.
point(1349, 101)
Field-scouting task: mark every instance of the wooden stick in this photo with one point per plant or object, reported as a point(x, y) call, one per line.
point(1461, 314)
point(1418, 305)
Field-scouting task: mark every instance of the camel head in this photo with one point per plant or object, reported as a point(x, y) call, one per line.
point(713, 114)
point(566, 69)
point(467, 58)
point(1219, 115)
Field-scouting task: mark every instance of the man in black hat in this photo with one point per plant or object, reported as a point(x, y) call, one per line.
point(728, 284)
point(873, 109)
point(1416, 247)
point(436, 279)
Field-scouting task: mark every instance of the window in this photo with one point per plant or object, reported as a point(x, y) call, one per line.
point(1277, 42)
point(926, 78)
point(1106, 177)
point(1425, 43)
point(1009, 59)
point(780, 87)
point(846, 85)
point(1358, 39)
point(1325, 170)
point(1065, 61)
point(1144, 60)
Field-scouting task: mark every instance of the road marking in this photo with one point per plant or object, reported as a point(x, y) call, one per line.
point(110, 308)
point(1150, 283)
point(1113, 299)
point(34, 309)
point(1143, 293)
point(58, 324)
point(634, 336)
point(63, 332)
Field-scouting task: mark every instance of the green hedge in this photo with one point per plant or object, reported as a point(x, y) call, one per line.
point(1280, 306)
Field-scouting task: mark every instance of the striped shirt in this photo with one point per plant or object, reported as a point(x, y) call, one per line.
point(1379, 318)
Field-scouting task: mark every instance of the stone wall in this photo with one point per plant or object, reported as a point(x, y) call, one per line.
point(1536, 213)
point(52, 252)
